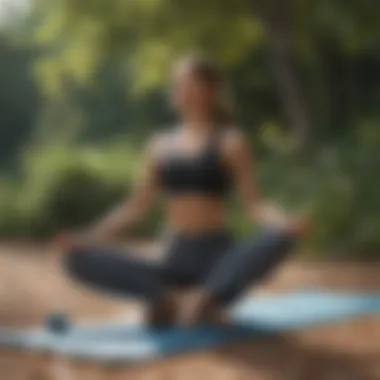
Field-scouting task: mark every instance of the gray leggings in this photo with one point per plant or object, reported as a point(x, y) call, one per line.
point(223, 267)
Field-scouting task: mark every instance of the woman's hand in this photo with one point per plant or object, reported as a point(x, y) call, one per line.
point(271, 215)
point(298, 226)
point(67, 241)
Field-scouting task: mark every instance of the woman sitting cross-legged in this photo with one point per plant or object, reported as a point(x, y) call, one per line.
point(194, 166)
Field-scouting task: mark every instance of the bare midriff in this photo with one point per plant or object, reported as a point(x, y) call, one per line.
point(195, 214)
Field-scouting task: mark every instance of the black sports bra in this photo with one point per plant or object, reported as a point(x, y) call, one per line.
point(201, 174)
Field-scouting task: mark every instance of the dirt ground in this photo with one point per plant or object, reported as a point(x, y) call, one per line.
point(32, 285)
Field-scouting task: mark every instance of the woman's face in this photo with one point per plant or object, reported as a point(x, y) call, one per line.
point(191, 94)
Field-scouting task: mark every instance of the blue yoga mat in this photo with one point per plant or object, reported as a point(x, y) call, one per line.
point(121, 342)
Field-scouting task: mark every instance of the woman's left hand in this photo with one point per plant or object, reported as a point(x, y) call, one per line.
point(298, 226)
point(66, 241)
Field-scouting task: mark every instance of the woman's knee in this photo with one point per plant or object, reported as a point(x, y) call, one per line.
point(272, 247)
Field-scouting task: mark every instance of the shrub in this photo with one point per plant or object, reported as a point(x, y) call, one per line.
point(64, 188)
point(68, 187)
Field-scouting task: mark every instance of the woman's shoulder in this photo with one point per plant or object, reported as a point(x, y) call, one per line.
point(161, 139)
point(164, 136)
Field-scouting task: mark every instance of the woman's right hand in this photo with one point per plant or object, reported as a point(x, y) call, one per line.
point(271, 215)
point(299, 227)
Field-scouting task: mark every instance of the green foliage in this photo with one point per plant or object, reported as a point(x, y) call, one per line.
point(146, 34)
point(18, 101)
point(339, 189)
point(102, 66)
point(67, 187)
point(63, 188)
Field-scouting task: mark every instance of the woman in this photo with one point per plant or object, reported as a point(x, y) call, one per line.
point(195, 166)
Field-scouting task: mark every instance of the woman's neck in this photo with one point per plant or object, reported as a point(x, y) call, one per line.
point(198, 125)
point(198, 122)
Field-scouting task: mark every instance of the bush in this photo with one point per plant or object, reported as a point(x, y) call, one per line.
point(340, 189)
point(64, 187)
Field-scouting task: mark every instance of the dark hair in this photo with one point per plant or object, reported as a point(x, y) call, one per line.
point(211, 74)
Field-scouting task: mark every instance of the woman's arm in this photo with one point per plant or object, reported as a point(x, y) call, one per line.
point(240, 162)
point(133, 209)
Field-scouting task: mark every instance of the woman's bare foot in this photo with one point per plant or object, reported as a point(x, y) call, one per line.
point(162, 313)
point(197, 308)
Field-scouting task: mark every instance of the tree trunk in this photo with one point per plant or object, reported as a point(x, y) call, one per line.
point(279, 25)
